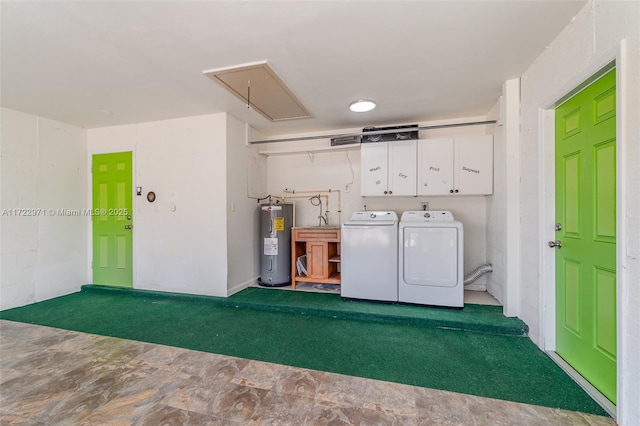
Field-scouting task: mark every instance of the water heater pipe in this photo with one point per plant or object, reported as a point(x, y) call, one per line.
point(477, 273)
point(317, 192)
point(306, 197)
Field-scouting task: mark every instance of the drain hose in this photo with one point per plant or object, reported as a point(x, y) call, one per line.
point(477, 273)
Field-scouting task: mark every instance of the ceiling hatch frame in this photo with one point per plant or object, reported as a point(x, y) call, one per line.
point(260, 88)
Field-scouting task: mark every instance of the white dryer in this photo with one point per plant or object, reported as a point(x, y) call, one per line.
point(430, 259)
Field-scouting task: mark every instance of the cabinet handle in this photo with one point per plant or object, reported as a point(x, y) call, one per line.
point(451, 191)
point(390, 192)
point(457, 191)
point(385, 192)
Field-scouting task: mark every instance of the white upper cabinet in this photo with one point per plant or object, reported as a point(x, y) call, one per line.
point(402, 168)
point(461, 166)
point(374, 168)
point(435, 166)
point(473, 173)
point(388, 168)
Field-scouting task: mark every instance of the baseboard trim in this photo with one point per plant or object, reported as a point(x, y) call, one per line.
point(233, 290)
point(594, 393)
point(476, 287)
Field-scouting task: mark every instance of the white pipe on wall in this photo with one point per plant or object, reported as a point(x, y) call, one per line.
point(284, 200)
point(323, 193)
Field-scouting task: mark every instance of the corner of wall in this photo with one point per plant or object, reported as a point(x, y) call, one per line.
point(246, 171)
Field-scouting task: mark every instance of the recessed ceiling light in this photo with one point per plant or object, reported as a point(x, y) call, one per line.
point(363, 105)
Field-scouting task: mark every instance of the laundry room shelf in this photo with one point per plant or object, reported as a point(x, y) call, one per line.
point(333, 279)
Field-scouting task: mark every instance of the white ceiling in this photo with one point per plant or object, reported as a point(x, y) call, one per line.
point(143, 61)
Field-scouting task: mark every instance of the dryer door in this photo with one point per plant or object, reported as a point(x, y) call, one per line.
point(430, 256)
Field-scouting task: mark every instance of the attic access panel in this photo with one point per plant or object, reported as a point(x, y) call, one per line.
point(268, 94)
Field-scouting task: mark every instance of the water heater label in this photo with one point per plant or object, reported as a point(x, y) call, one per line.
point(278, 223)
point(270, 246)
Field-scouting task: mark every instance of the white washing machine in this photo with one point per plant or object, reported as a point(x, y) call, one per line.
point(430, 259)
point(369, 256)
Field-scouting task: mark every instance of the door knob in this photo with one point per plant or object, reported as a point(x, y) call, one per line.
point(556, 243)
point(558, 227)
point(128, 227)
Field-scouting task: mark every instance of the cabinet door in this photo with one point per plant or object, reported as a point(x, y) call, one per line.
point(474, 165)
point(317, 259)
point(435, 166)
point(402, 168)
point(374, 168)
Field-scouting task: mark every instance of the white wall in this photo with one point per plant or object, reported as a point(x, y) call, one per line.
point(503, 227)
point(180, 241)
point(43, 168)
point(496, 209)
point(331, 170)
point(246, 177)
point(587, 43)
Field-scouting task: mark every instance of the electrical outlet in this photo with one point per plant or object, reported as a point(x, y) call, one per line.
point(424, 205)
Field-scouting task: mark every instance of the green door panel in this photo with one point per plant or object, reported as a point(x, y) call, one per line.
point(112, 219)
point(605, 191)
point(571, 189)
point(586, 208)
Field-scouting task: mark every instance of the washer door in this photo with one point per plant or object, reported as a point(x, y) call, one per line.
point(430, 256)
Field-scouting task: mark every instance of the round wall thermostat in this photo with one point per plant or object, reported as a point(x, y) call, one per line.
point(151, 196)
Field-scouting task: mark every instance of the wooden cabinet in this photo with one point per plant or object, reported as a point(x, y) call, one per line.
point(462, 166)
point(322, 247)
point(388, 168)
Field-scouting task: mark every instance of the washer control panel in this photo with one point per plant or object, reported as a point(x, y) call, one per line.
point(373, 216)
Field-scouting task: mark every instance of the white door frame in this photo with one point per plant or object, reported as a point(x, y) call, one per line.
point(546, 168)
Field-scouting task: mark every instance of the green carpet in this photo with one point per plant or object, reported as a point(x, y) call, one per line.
point(483, 318)
point(488, 319)
point(484, 364)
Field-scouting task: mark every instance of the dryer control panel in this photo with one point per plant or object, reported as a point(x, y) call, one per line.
point(428, 216)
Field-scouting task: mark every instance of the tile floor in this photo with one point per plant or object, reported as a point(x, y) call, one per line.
point(57, 377)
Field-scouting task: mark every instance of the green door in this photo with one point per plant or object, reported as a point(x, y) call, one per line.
point(586, 212)
point(112, 219)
